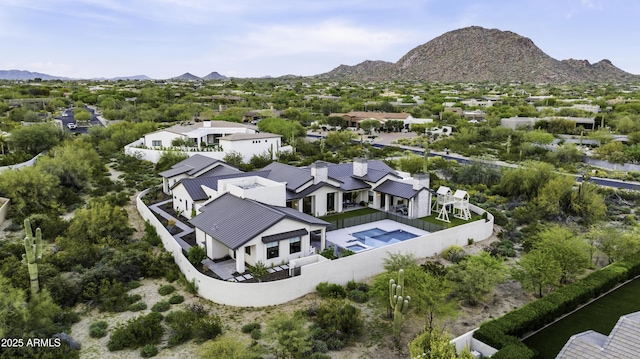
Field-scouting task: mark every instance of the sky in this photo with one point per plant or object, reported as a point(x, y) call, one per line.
point(256, 38)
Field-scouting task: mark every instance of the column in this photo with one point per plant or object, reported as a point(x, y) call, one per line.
point(387, 199)
point(240, 260)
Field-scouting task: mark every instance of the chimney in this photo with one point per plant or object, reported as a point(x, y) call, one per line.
point(420, 181)
point(360, 167)
point(206, 123)
point(319, 172)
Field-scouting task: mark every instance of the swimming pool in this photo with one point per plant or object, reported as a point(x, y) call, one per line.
point(377, 237)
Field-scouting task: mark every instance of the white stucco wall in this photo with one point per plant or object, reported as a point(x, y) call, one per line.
point(249, 148)
point(4, 208)
point(357, 267)
point(165, 137)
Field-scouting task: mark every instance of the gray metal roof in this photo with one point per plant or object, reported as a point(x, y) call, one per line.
point(234, 221)
point(622, 343)
point(191, 165)
point(398, 189)
point(220, 170)
point(294, 176)
point(194, 185)
point(305, 192)
point(376, 170)
point(284, 235)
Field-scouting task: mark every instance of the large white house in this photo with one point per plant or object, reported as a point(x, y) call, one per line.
point(269, 216)
point(213, 139)
point(320, 189)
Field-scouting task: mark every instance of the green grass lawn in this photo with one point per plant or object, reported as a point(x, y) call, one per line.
point(454, 221)
point(349, 214)
point(601, 316)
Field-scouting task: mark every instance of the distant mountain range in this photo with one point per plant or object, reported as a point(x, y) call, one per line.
point(22, 75)
point(476, 54)
point(471, 54)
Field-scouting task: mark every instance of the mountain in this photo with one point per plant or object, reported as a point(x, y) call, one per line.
point(27, 75)
point(132, 78)
point(214, 76)
point(186, 77)
point(476, 54)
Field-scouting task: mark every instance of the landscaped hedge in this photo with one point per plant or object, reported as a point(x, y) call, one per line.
point(505, 332)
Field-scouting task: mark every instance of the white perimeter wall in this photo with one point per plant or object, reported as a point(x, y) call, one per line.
point(4, 209)
point(356, 267)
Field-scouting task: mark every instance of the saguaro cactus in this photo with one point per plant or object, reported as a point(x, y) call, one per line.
point(399, 303)
point(33, 247)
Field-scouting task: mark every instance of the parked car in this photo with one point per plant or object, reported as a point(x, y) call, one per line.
point(72, 125)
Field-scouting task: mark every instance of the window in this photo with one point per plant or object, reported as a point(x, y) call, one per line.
point(247, 250)
point(273, 250)
point(294, 245)
point(331, 201)
point(370, 196)
point(156, 143)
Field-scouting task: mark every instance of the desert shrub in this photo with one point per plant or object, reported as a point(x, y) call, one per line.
point(248, 328)
point(161, 306)
point(187, 324)
point(151, 235)
point(149, 351)
point(329, 253)
point(166, 289)
point(138, 306)
point(358, 296)
point(317, 355)
point(330, 290)
point(454, 254)
point(143, 330)
point(256, 334)
point(196, 254)
point(98, 329)
point(503, 248)
point(176, 299)
point(336, 323)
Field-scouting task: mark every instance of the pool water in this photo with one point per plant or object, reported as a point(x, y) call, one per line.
point(369, 233)
point(356, 248)
point(377, 238)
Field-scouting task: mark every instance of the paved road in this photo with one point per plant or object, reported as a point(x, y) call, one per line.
point(67, 117)
point(466, 160)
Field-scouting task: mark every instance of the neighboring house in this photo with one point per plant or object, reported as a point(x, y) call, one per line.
point(251, 231)
point(622, 343)
point(199, 134)
point(252, 144)
point(354, 118)
point(194, 166)
point(213, 139)
point(528, 122)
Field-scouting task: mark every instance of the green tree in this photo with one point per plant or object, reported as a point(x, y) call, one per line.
point(36, 138)
point(30, 190)
point(336, 140)
point(569, 251)
point(228, 347)
point(538, 136)
point(233, 158)
point(76, 163)
point(555, 197)
point(369, 125)
point(526, 180)
point(435, 344)
point(587, 203)
point(169, 158)
point(476, 276)
point(287, 129)
point(291, 335)
point(537, 271)
point(81, 115)
point(101, 223)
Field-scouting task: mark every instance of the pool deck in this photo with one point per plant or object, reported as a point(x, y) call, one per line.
point(342, 237)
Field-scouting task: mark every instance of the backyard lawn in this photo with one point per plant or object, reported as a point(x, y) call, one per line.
point(601, 316)
point(349, 214)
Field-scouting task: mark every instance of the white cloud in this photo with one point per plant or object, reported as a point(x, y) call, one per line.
point(333, 36)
